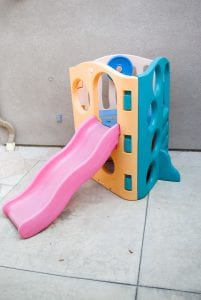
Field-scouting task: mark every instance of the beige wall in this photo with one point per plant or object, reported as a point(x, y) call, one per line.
point(40, 39)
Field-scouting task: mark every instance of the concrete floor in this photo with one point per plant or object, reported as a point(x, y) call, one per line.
point(102, 247)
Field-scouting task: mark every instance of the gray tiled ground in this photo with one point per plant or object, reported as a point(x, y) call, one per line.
point(92, 237)
point(99, 238)
point(18, 285)
point(160, 294)
point(172, 245)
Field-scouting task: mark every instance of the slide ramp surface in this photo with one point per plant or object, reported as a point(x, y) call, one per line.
point(50, 191)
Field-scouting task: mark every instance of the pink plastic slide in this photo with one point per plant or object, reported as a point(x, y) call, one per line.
point(50, 191)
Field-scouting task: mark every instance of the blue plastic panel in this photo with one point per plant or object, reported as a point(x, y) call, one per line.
point(108, 117)
point(122, 64)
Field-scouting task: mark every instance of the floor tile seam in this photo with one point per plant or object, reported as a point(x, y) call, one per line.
point(6, 184)
point(102, 281)
point(14, 186)
point(168, 289)
point(68, 276)
point(141, 250)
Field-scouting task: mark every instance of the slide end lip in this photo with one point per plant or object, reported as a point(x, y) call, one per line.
point(5, 209)
point(22, 230)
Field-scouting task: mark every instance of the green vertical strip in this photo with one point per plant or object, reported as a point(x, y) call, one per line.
point(127, 100)
point(127, 143)
point(128, 182)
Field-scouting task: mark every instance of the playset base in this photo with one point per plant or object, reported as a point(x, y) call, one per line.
point(121, 112)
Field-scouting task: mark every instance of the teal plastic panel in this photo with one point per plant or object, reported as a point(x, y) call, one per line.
point(128, 182)
point(127, 143)
point(127, 100)
point(153, 127)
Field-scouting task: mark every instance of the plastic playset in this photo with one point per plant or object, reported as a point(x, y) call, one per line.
point(121, 116)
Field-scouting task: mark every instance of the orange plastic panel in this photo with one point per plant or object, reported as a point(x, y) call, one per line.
point(124, 163)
